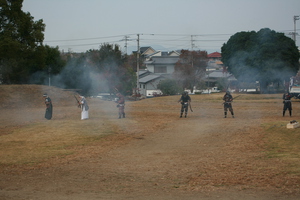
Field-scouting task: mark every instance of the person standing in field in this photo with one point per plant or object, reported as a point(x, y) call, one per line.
point(227, 104)
point(185, 101)
point(84, 108)
point(287, 103)
point(121, 105)
point(49, 107)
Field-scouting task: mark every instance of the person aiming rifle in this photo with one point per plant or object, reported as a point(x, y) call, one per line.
point(185, 101)
point(82, 103)
point(227, 104)
point(77, 101)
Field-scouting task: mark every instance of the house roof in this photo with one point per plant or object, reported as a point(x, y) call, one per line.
point(163, 54)
point(218, 74)
point(144, 50)
point(163, 60)
point(214, 55)
point(157, 53)
point(148, 78)
point(174, 53)
point(142, 72)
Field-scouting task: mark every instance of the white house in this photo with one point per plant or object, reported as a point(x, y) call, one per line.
point(159, 66)
point(148, 85)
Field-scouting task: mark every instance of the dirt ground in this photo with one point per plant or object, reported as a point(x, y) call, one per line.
point(150, 154)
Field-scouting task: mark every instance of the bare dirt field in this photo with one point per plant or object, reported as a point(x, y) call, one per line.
point(150, 154)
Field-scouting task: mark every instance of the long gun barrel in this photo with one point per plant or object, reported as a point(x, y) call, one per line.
point(232, 99)
point(77, 101)
point(237, 96)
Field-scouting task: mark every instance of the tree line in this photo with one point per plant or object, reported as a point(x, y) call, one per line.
point(24, 59)
point(265, 56)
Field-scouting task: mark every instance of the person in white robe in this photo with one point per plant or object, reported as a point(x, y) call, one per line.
point(84, 108)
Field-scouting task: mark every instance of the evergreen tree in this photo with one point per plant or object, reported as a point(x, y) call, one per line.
point(20, 43)
point(265, 56)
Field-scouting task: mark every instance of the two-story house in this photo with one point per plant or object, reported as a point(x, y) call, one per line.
point(159, 66)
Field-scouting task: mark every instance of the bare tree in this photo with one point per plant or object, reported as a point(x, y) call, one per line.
point(190, 69)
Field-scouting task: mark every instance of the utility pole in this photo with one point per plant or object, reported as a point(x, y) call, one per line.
point(192, 43)
point(126, 39)
point(296, 17)
point(137, 61)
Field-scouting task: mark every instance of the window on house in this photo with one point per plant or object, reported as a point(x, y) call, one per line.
point(160, 69)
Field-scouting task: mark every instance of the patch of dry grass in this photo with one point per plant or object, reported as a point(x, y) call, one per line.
point(41, 140)
point(37, 142)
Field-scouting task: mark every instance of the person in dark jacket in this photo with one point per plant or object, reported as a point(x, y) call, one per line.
point(185, 101)
point(287, 103)
point(227, 104)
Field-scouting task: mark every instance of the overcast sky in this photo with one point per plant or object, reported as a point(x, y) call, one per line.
point(80, 25)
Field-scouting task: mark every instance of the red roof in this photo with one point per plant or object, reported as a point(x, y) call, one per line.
point(214, 55)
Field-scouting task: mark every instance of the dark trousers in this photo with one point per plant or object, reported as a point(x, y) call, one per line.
point(184, 108)
point(287, 106)
point(228, 106)
point(48, 114)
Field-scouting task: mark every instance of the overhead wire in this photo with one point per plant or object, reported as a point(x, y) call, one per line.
point(96, 38)
point(174, 40)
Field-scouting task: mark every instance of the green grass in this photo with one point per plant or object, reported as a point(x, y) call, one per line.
point(283, 144)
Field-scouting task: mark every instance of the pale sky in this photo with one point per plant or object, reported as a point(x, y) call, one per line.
point(80, 25)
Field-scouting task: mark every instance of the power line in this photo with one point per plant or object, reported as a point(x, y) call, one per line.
point(166, 35)
point(173, 40)
point(90, 43)
point(106, 37)
point(87, 38)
